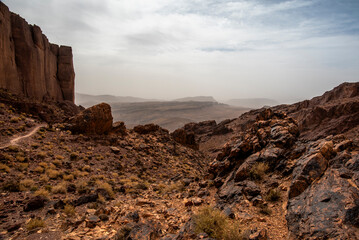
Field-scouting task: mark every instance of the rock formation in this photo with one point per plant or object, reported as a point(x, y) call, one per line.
point(94, 120)
point(29, 64)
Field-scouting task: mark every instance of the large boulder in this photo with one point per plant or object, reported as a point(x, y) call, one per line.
point(94, 120)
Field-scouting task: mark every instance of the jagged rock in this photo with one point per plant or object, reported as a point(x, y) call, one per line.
point(243, 171)
point(326, 209)
point(35, 203)
point(185, 138)
point(309, 169)
point(29, 64)
point(148, 128)
point(119, 128)
point(94, 120)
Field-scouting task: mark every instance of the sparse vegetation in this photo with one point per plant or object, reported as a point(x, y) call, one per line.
point(4, 168)
point(35, 223)
point(258, 171)
point(273, 195)
point(26, 184)
point(69, 210)
point(11, 186)
point(213, 222)
point(53, 174)
point(42, 192)
point(60, 188)
point(106, 186)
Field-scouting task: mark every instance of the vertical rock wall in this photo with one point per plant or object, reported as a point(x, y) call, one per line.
point(29, 64)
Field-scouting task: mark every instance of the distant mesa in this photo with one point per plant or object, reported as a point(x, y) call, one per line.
point(88, 100)
point(29, 64)
point(252, 102)
point(196, 99)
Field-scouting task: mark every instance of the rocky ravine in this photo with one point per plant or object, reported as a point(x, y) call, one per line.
point(29, 64)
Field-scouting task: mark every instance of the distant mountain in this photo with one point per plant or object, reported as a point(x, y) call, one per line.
point(252, 102)
point(196, 99)
point(88, 100)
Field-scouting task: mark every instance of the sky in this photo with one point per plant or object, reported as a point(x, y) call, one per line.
point(167, 49)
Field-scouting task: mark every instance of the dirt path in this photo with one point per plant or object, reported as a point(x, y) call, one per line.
point(16, 139)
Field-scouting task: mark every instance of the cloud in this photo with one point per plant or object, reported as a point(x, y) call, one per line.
point(218, 47)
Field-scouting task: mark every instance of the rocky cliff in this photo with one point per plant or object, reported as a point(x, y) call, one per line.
point(29, 64)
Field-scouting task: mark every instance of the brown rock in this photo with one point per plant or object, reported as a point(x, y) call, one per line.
point(309, 169)
point(185, 138)
point(94, 120)
point(119, 128)
point(29, 64)
point(148, 128)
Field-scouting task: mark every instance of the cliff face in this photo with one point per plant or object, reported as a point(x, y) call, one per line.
point(29, 64)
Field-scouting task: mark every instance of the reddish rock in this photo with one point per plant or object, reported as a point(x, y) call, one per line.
point(29, 64)
point(148, 128)
point(185, 138)
point(119, 128)
point(94, 120)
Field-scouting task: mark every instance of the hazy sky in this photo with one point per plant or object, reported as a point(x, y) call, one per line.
point(285, 50)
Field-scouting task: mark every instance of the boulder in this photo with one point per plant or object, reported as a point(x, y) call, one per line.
point(94, 120)
point(35, 203)
point(148, 128)
point(185, 138)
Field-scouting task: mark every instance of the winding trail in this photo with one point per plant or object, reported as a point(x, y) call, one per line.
point(19, 138)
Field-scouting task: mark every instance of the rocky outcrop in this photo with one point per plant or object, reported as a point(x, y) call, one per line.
point(185, 138)
point(94, 120)
point(336, 111)
point(324, 195)
point(29, 64)
point(149, 129)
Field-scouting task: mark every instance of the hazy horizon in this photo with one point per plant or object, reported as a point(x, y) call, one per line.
point(166, 49)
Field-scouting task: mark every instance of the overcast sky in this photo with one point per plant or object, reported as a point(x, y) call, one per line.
point(284, 50)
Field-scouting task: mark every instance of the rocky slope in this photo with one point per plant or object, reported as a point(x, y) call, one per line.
point(94, 181)
point(29, 64)
point(304, 154)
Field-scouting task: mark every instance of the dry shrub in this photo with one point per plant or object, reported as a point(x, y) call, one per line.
point(273, 195)
point(60, 188)
point(69, 210)
point(213, 222)
point(258, 171)
point(106, 186)
point(35, 223)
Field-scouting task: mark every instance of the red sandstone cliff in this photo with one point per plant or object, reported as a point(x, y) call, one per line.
point(29, 64)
